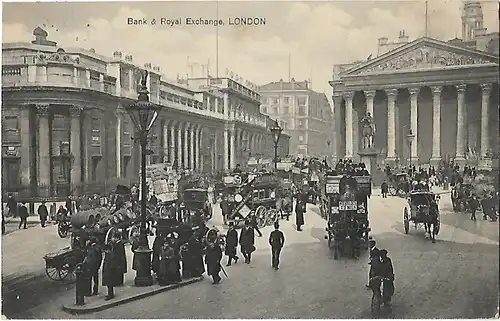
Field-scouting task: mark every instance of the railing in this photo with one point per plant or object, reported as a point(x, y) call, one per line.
point(60, 191)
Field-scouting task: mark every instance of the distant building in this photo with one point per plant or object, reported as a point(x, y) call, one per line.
point(306, 115)
point(445, 92)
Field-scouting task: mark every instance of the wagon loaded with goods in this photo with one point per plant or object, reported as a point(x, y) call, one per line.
point(60, 265)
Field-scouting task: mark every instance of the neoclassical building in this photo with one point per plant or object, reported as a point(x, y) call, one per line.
point(64, 123)
point(445, 92)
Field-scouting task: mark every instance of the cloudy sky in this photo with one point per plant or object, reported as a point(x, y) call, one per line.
point(315, 34)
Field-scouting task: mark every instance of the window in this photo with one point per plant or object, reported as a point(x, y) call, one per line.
point(286, 100)
point(286, 110)
point(300, 124)
point(276, 100)
point(301, 139)
point(301, 101)
point(10, 123)
point(275, 110)
point(302, 111)
point(264, 109)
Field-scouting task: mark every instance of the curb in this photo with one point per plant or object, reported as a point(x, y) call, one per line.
point(75, 309)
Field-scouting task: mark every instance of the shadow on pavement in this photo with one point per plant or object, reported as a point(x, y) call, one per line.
point(20, 293)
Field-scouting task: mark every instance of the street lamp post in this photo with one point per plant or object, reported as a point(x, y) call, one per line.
point(328, 143)
point(143, 114)
point(410, 138)
point(276, 131)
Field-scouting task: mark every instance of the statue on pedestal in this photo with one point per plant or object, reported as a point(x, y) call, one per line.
point(368, 126)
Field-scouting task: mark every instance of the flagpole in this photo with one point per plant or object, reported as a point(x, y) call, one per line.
point(426, 18)
point(217, 43)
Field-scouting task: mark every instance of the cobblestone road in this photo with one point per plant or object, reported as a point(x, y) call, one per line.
point(457, 277)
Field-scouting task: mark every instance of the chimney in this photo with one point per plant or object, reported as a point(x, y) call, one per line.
point(292, 81)
point(117, 55)
point(382, 41)
point(92, 50)
point(306, 83)
point(403, 38)
point(156, 68)
point(147, 65)
point(128, 58)
point(41, 38)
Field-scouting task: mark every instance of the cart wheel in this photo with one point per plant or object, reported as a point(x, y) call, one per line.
point(261, 214)
point(52, 273)
point(62, 230)
point(271, 217)
point(437, 228)
point(406, 221)
point(393, 191)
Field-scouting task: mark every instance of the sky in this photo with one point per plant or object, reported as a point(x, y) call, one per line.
point(315, 35)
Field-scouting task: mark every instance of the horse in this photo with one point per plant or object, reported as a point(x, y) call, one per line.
point(431, 222)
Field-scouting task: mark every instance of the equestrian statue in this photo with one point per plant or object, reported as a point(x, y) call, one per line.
point(368, 126)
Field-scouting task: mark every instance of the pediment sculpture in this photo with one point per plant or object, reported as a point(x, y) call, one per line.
point(426, 57)
point(58, 57)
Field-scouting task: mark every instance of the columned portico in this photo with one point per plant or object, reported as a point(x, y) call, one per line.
point(192, 146)
point(460, 149)
point(232, 142)
point(485, 103)
point(43, 145)
point(186, 146)
point(391, 124)
point(75, 148)
point(226, 149)
point(436, 125)
point(348, 125)
point(180, 162)
point(414, 123)
point(171, 145)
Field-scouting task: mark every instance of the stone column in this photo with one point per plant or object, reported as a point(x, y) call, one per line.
point(186, 145)
point(226, 149)
point(87, 136)
point(180, 162)
point(75, 147)
point(215, 153)
point(43, 145)
point(25, 150)
point(348, 125)
point(197, 148)
point(165, 149)
point(226, 106)
point(485, 104)
point(460, 149)
point(232, 139)
point(391, 124)
point(118, 135)
point(337, 107)
point(171, 144)
point(436, 125)
point(414, 123)
point(192, 145)
point(370, 97)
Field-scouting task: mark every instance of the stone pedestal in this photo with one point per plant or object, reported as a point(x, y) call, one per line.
point(368, 157)
point(434, 161)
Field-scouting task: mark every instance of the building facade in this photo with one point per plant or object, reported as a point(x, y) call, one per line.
point(64, 124)
point(446, 93)
point(305, 114)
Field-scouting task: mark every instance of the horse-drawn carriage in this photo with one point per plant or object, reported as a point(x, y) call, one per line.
point(344, 203)
point(196, 200)
point(423, 208)
point(399, 185)
point(460, 194)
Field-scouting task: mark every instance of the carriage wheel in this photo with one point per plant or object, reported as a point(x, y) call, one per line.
point(406, 221)
point(261, 214)
point(62, 230)
point(393, 191)
point(271, 217)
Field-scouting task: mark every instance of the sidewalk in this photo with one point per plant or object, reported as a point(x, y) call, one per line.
point(123, 294)
point(12, 223)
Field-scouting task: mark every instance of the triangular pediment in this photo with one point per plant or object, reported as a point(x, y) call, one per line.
point(420, 54)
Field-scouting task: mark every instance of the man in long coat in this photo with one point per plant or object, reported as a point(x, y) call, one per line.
point(43, 213)
point(195, 256)
point(121, 260)
point(212, 259)
point(231, 244)
point(300, 208)
point(23, 215)
point(111, 270)
point(92, 264)
point(247, 241)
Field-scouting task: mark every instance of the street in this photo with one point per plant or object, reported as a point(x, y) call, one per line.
point(457, 277)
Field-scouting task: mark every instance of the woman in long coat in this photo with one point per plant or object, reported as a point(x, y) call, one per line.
point(169, 264)
point(192, 263)
point(111, 270)
point(300, 208)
